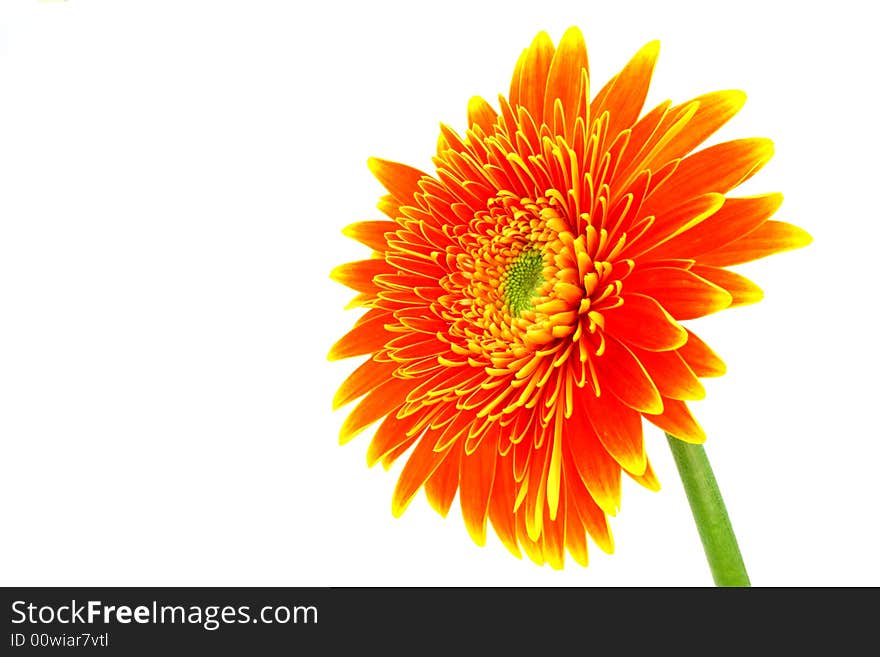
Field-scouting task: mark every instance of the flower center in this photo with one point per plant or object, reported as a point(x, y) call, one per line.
point(521, 280)
point(528, 289)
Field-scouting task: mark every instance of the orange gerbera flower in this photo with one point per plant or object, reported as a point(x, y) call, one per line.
point(524, 301)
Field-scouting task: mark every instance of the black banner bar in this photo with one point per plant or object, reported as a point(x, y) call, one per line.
point(416, 621)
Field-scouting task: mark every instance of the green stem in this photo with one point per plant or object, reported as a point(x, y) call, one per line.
point(710, 514)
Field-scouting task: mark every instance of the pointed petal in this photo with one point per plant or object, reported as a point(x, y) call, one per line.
point(618, 428)
point(718, 168)
point(642, 322)
point(536, 494)
point(598, 471)
point(422, 463)
point(477, 476)
point(673, 221)
point(741, 288)
point(643, 154)
point(624, 95)
point(501, 505)
point(648, 479)
point(399, 179)
point(360, 301)
point(714, 110)
point(575, 533)
point(769, 238)
point(622, 373)
point(368, 336)
point(737, 217)
point(531, 546)
point(513, 96)
point(481, 113)
point(671, 374)
point(704, 362)
point(380, 401)
point(533, 77)
point(553, 537)
point(366, 377)
point(681, 292)
point(370, 233)
point(441, 487)
point(389, 437)
point(594, 519)
point(389, 206)
point(564, 79)
point(359, 275)
point(677, 421)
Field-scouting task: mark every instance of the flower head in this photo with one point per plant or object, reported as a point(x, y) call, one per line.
point(524, 302)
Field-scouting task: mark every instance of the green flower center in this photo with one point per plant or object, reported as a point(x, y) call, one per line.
point(522, 279)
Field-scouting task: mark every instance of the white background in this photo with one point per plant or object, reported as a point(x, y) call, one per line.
point(173, 181)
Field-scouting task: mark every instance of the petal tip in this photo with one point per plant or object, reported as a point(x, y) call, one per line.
point(398, 506)
point(801, 238)
point(734, 98)
point(650, 50)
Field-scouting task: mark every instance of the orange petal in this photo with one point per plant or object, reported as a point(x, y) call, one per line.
point(677, 421)
point(618, 428)
point(594, 520)
point(704, 362)
point(441, 487)
point(399, 179)
point(389, 206)
point(741, 288)
point(536, 495)
point(674, 220)
point(575, 533)
point(590, 460)
point(553, 537)
point(718, 168)
point(623, 374)
point(390, 436)
point(477, 475)
point(681, 292)
point(480, 113)
point(564, 79)
point(769, 238)
point(453, 431)
point(366, 337)
point(737, 217)
point(714, 110)
point(642, 322)
point(624, 95)
point(644, 133)
point(380, 401)
point(422, 463)
point(533, 76)
point(532, 547)
point(359, 275)
point(501, 505)
point(671, 374)
point(648, 479)
point(366, 377)
point(414, 346)
point(370, 233)
point(672, 123)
